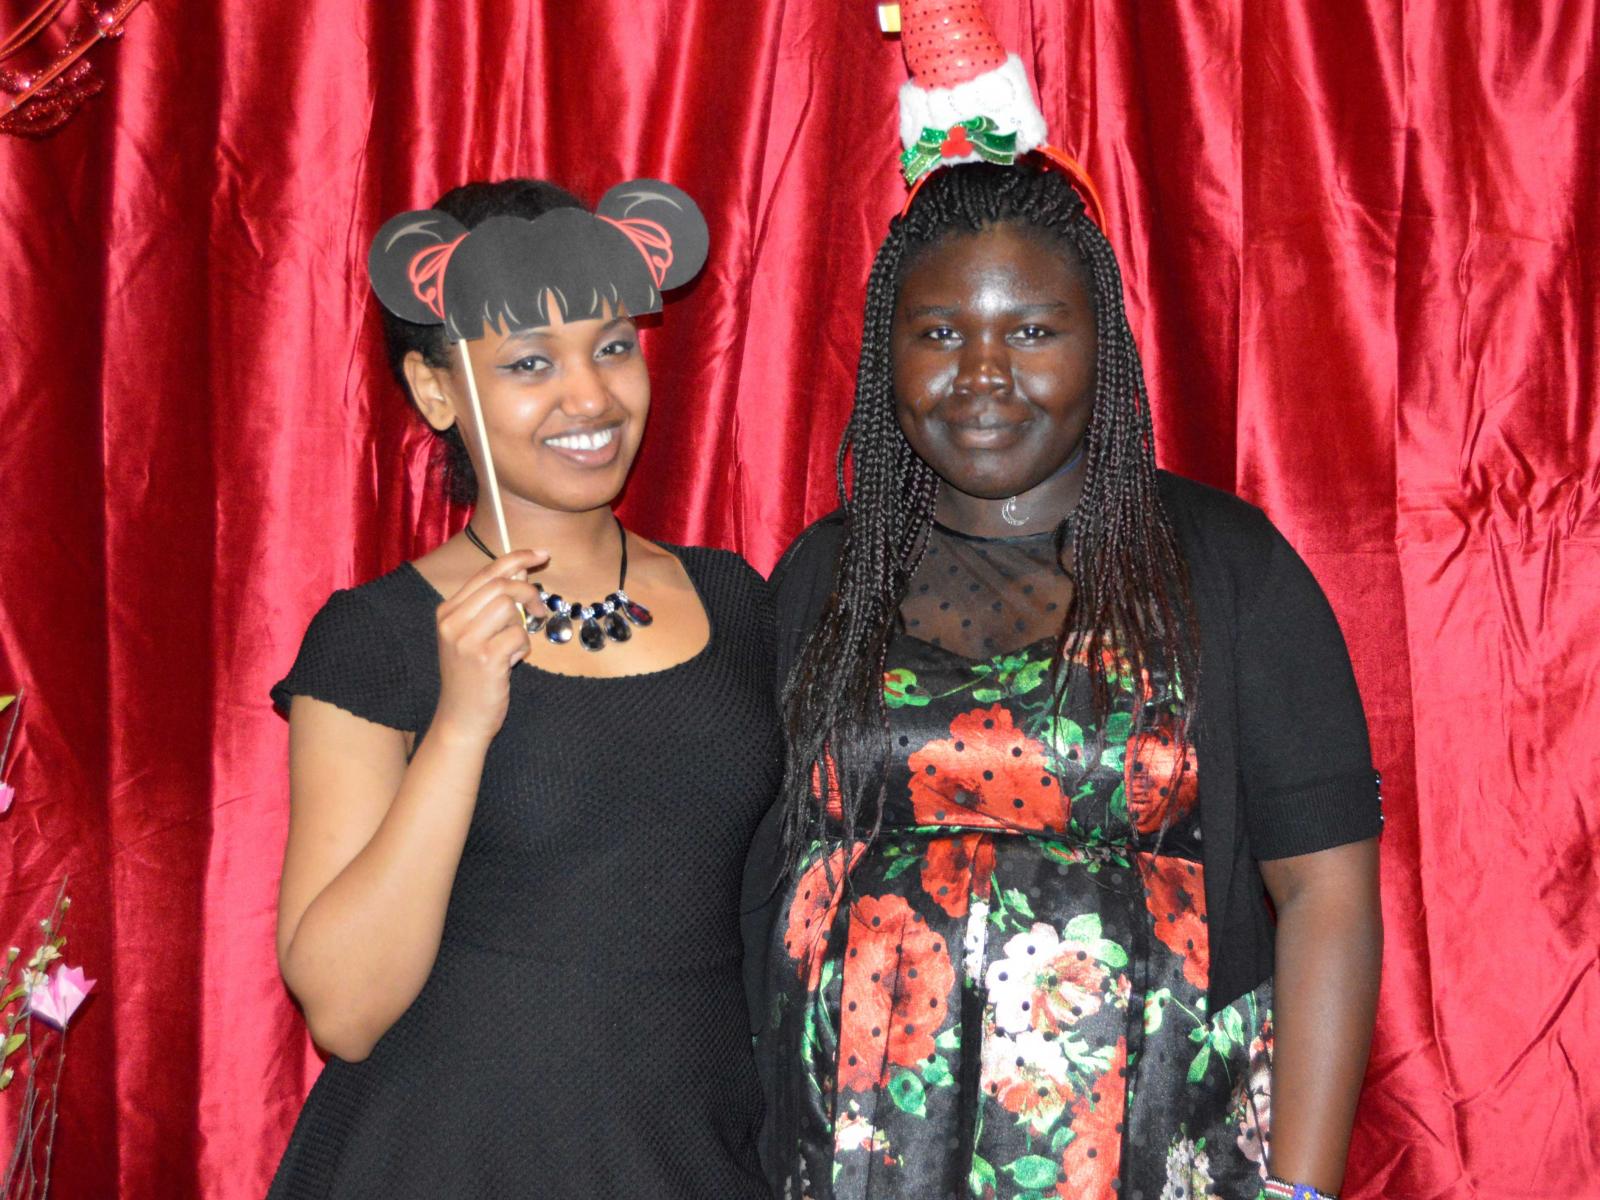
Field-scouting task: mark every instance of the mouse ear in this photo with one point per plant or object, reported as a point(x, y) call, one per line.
point(665, 226)
point(407, 261)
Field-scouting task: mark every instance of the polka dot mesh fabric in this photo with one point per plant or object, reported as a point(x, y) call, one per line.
point(979, 597)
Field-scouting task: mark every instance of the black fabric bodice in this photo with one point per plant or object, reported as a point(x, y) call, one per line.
point(583, 1031)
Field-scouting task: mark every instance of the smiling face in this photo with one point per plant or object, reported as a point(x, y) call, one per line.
point(565, 405)
point(994, 346)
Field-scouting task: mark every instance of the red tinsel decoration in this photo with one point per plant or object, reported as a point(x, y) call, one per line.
point(42, 99)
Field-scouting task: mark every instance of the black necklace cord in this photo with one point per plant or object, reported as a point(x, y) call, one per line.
point(622, 575)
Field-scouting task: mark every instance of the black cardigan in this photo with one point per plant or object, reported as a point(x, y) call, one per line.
point(1285, 765)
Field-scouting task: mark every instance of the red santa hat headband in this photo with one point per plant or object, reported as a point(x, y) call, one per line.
point(967, 100)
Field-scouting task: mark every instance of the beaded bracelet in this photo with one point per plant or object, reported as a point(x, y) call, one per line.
point(1281, 1189)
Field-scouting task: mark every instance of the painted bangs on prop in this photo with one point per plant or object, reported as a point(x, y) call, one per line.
point(513, 274)
point(644, 238)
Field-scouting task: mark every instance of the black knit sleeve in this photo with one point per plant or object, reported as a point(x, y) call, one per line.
point(351, 657)
point(801, 583)
point(1304, 757)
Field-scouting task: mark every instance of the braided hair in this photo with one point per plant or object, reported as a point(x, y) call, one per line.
point(1131, 595)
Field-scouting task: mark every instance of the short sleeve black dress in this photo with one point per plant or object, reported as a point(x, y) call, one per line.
point(583, 1031)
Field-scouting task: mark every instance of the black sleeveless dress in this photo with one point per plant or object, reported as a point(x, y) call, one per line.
point(583, 1031)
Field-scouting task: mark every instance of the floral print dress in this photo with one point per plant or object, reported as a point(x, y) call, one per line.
point(1009, 997)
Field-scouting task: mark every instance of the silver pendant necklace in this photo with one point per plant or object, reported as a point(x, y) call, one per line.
point(597, 623)
point(1012, 514)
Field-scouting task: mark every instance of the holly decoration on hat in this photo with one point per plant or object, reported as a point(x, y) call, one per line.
point(966, 141)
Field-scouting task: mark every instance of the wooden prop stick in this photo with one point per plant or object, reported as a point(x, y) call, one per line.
point(483, 445)
point(492, 481)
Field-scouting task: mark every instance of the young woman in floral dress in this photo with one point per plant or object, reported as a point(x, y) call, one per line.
point(1060, 723)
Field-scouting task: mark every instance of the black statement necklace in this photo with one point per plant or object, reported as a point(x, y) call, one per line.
point(596, 622)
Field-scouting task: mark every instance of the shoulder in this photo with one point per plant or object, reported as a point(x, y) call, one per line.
point(812, 555)
point(728, 586)
point(725, 568)
point(1231, 546)
point(801, 583)
point(1215, 520)
point(378, 606)
point(358, 647)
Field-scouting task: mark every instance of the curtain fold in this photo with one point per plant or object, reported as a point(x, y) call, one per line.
point(1358, 248)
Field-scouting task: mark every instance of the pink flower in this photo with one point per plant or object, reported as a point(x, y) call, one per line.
point(56, 1001)
point(7, 795)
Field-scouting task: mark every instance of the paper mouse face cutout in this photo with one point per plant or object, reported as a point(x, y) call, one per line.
point(645, 237)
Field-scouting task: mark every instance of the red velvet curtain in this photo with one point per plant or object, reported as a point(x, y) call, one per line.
point(1358, 241)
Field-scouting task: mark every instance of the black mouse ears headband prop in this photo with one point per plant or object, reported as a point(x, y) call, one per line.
point(643, 238)
point(968, 100)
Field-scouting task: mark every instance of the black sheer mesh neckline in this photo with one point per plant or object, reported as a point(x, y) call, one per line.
point(980, 597)
point(996, 539)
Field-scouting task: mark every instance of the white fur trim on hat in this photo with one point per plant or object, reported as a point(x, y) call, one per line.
point(1002, 94)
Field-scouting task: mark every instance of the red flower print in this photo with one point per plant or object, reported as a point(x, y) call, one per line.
point(835, 807)
point(1156, 791)
point(811, 912)
point(1092, 1160)
point(1175, 893)
point(897, 981)
point(955, 867)
point(987, 773)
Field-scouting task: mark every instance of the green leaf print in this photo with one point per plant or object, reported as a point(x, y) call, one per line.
point(900, 866)
point(1113, 955)
point(1083, 928)
point(1062, 1138)
point(1064, 738)
point(1154, 1007)
point(950, 1039)
point(1197, 1069)
point(1118, 804)
point(1033, 1171)
point(1113, 755)
point(982, 1177)
point(908, 1094)
point(986, 695)
point(1233, 1023)
point(897, 685)
point(1119, 726)
point(1018, 903)
point(936, 1073)
point(1083, 1059)
point(1030, 677)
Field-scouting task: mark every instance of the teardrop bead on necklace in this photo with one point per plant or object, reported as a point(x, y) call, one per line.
point(597, 624)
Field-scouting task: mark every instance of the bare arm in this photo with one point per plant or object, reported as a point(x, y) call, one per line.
point(1325, 995)
point(374, 842)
